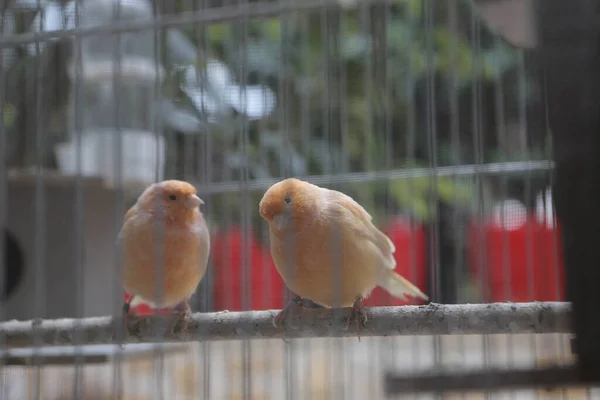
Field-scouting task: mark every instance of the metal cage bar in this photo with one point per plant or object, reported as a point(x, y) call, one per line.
point(569, 53)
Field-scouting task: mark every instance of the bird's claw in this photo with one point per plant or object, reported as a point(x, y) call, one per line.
point(126, 319)
point(358, 316)
point(279, 319)
point(183, 316)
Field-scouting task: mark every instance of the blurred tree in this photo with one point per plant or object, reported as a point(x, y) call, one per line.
point(352, 89)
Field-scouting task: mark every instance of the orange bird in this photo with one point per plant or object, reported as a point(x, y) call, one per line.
point(165, 245)
point(327, 249)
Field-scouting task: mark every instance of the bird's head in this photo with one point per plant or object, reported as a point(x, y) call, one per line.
point(171, 197)
point(290, 203)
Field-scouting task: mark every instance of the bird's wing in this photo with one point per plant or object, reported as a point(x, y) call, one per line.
point(354, 216)
point(127, 219)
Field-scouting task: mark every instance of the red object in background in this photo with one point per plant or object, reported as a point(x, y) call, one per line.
point(266, 286)
point(532, 252)
point(411, 261)
point(142, 309)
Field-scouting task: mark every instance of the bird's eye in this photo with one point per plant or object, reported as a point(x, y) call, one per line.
point(287, 199)
point(172, 197)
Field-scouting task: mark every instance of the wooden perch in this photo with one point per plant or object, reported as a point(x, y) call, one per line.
point(433, 319)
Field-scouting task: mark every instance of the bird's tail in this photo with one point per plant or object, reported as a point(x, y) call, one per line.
point(400, 287)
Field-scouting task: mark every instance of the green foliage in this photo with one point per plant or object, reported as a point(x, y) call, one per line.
point(346, 83)
point(416, 194)
point(10, 114)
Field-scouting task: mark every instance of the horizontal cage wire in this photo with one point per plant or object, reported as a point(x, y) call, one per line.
point(284, 199)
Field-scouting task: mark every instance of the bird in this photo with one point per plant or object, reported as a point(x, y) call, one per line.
point(327, 249)
point(164, 237)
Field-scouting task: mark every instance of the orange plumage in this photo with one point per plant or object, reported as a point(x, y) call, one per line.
point(326, 247)
point(164, 239)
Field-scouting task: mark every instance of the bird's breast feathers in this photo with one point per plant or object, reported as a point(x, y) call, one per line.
point(179, 242)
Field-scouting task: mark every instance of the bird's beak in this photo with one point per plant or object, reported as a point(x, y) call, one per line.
point(280, 221)
point(194, 201)
point(261, 211)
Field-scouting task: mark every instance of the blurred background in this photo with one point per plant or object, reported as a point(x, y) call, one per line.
point(431, 114)
point(368, 97)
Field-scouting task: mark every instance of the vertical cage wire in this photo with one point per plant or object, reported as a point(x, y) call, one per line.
point(306, 347)
point(241, 39)
point(411, 150)
point(367, 26)
point(347, 356)
point(290, 367)
point(40, 217)
point(158, 39)
point(501, 133)
point(117, 379)
point(3, 201)
point(205, 350)
point(387, 347)
point(522, 118)
point(455, 138)
point(559, 342)
point(432, 155)
point(79, 219)
point(479, 159)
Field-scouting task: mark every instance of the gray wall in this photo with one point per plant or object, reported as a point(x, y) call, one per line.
point(59, 259)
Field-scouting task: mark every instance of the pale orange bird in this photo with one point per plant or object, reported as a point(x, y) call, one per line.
point(164, 237)
point(327, 249)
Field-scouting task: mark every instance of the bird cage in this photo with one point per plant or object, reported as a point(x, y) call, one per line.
point(300, 199)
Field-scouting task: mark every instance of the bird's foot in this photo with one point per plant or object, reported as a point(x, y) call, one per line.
point(279, 319)
point(358, 316)
point(181, 314)
point(126, 319)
